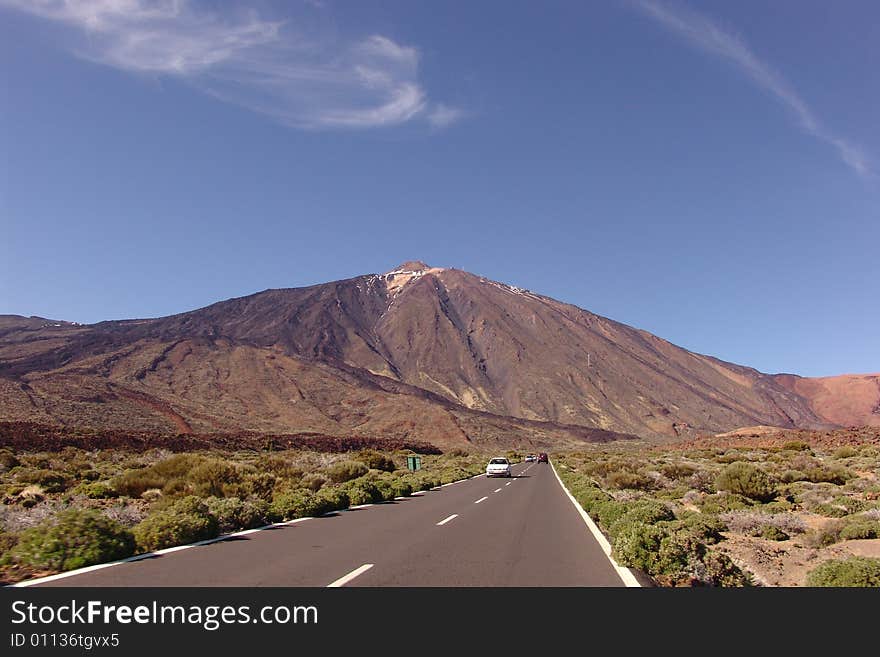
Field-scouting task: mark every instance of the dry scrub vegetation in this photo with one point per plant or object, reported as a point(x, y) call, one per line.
point(789, 514)
point(74, 507)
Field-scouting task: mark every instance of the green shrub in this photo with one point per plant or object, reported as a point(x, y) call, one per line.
point(748, 480)
point(796, 446)
point(401, 487)
point(638, 546)
point(719, 570)
point(96, 490)
point(49, 480)
point(834, 475)
point(677, 471)
point(701, 527)
point(8, 541)
point(211, 477)
point(609, 512)
point(860, 528)
point(773, 533)
point(8, 460)
point(279, 466)
point(630, 480)
point(588, 498)
point(845, 452)
point(723, 502)
point(343, 471)
point(362, 492)
point(297, 503)
point(839, 509)
point(73, 539)
point(376, 460)
point(313, 481)
point(260, 484)
point(854, 571)
point(234, 514)
point(790, 476)
point(186, 520)
point(386, 490)
point(334, 498)
point(646, 512)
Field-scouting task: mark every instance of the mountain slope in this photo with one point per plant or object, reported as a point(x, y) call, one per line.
point(419, 349)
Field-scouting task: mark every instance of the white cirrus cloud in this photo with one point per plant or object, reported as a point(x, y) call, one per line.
point(701, 32)
point(299, 79)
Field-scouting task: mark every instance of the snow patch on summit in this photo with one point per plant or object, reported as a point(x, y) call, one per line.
point(397, 279)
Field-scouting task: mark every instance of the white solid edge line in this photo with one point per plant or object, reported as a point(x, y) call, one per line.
point(345, 579)
point(178, 548)
point(445, 520)
point(482, 499)
point(629, 579)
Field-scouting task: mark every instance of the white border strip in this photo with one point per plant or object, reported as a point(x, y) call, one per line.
point(626, 574)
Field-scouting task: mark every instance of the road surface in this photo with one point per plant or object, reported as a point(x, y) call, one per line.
point(522, 531)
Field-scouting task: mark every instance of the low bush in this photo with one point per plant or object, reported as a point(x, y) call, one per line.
point(96, 490)
point(334, 497)
point(790, 476)
point(833, 475)
point(234, 514)
point(845, 452)
point(49, 480)
point(259, 484)
point(386, 490)
point(796, 446)
point(773, 533)
point(73, 539)
point(361, 491)
point(376, 460)
point(676, 471)
point(701, 527)
point(748, 480)
point(723, 502)
point(8, 460)
point(182, 475)
point(623, 479)
point(313, 481)
point(854, 571)
point(8, 540)
point(860, 529)
point(343, 471)
point(297, 503)
point(186, 520)
point(609, 512)
point(646, 512)
point(752, 523)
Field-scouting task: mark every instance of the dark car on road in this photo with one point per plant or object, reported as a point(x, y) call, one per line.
point(542, 457)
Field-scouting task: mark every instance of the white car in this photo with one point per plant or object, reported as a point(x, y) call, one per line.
point(498, 467)
point(531, 458)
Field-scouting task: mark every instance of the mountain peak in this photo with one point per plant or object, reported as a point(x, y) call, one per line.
point(411, 266)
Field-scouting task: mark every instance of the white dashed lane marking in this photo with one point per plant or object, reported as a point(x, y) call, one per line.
point(345, 579)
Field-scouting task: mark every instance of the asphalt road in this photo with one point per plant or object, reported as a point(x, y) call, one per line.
point(522, 531)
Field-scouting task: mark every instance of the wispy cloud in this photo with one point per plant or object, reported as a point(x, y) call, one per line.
point(701, 32)
point(268, 66)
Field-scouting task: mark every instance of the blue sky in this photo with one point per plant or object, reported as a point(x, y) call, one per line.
point(707, 171)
